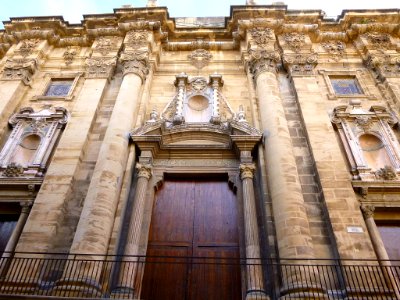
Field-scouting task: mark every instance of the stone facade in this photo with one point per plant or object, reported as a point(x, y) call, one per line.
point(300, 112)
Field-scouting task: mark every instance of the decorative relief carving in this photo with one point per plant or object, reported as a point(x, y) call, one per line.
point(144, 170)
point(379, 41)
point(368, 211)
point(335, 49)
point(384, 65)
point(19, 69)
point(27, 47)
point(227, 163)
point(262, 36)
point(136, 62)
point(200, 58)
point(105, 45)
point(247, 170)
point(69, 54)
point(295, 40)
point(263, 61)
point(136, 39)
point(364, 122)
point(386, 173)
point(13, 170)
point(98, 67)
point(300, 64)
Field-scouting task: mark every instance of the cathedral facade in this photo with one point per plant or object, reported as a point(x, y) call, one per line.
point(255, 156)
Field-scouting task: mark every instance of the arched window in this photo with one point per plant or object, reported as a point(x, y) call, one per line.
point(374, 152)
point(26, 150)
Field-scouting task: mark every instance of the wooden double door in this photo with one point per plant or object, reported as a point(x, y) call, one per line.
point(193, 249)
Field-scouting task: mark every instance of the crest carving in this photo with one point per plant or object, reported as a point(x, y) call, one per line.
point(105, 45)
point(69, 55)
point(386, 173)
point(136, 39)
point(262, 36)
point(28, 46)
point(200, 58)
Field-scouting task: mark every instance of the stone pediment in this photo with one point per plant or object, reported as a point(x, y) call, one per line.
point(196, 135)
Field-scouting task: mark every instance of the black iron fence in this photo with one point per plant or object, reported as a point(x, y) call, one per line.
point(140, 277)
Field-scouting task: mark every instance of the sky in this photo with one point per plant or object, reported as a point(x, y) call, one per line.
point(73, 10)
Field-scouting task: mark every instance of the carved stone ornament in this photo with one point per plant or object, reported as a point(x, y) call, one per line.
point(384, 65)
point(104, 45)
point(335, 49)
point(379, 41)
point(363, 122)
point(13, 170)
point(262, 36)
point(247, 170)
point(136, 39)
point(263, 61)
point(300, 64)
point(27, 47)
point(69, 55)
point(386, 173)
point(19, 69)
point(200, 58)
point(295, 40)
point(144, 170)
point(368, 211)
point(98, 67)
point(136, 62)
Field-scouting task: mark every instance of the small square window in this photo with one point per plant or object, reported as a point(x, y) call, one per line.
point(345, 85)
point(59, 87)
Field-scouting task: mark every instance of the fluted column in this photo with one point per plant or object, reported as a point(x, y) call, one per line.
point(12, 242)
point(379, 247)
point(130, 264)
point(255, 285)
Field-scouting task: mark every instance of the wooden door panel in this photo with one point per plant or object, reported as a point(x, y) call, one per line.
point(166, 273)
point(217, 276)
point(192, 219)
point(172, 219)
point(215, 220)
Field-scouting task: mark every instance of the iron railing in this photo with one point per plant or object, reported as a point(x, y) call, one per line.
point(139, 277)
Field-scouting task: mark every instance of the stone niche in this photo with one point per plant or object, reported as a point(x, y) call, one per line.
point(28, 149)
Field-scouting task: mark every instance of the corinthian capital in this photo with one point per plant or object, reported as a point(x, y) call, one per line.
point(99, 67)
point(247, 170)
point(262, 61)
point(19, 69)
point(136, 62)
point(300, 64)
point(368, 211)
point(144, 170)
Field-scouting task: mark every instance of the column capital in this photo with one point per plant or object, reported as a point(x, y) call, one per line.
point(368, 211)
point(19, 69)
point(144, 170)
point(260, 61)
point(385, 65)
point(25, 206)
point(247, 170)
point(99, 67)
point(300, 64)
point(136, 62)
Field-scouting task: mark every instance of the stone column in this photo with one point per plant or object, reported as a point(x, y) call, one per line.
point(379, 247)
point(12, 242)
point(217, 82)
point(291, 222)
point(254, 276)
point(97, 217)
point(129, 267)
point(180, 82)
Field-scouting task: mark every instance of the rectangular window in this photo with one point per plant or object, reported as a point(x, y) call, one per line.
point(345, 85)
point(59, 87)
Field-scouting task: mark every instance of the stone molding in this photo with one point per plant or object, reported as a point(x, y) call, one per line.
point(99, 67)
point(19, 69)
point(247, 170)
